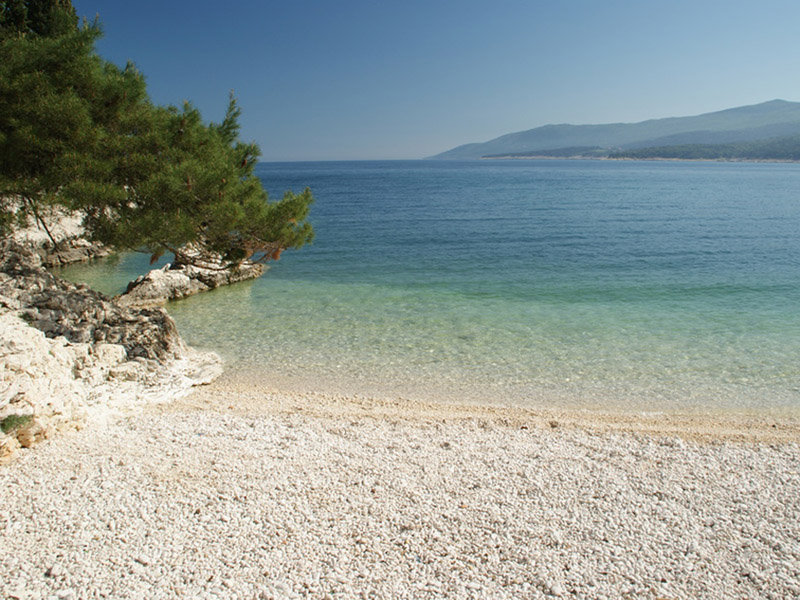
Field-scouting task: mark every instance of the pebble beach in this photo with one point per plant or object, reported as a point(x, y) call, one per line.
point(241, 491)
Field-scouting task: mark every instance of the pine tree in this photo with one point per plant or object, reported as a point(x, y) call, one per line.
point(188, 188)
point(45, 114)
point(79, 132)
point(48, 18)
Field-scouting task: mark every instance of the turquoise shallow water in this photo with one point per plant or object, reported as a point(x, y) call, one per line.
point(599, 284)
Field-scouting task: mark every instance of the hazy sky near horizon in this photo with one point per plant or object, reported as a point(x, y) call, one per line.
point(358, 79)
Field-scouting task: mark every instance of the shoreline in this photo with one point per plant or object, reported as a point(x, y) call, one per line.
point(232, 391)
point(239, 491)
point(653, 159)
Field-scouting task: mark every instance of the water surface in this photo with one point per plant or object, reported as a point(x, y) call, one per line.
point(599, 284)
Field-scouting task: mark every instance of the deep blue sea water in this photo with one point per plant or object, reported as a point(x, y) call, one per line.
point(642, 286)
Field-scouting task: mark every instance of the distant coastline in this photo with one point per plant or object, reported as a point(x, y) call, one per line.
point(650, 159)
point(770, 130)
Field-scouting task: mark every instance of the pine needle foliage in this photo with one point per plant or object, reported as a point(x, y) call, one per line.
point(187, 188)
point(44, 112)
point(77, 131)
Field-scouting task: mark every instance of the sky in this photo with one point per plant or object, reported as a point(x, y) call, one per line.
point(405, 79)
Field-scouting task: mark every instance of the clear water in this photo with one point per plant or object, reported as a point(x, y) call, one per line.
point(597, 284)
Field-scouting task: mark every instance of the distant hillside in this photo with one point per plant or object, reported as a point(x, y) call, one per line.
point(782, 148)
point(742, 124)
point(573, 152)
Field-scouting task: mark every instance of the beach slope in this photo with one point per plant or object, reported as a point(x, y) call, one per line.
point(245, 492)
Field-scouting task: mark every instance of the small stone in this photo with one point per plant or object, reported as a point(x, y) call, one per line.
point(471, 585)
point(127, 371)
point(110, 354)
point(28, 436)
point(54, 571)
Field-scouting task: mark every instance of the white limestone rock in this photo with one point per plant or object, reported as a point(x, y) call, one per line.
point(175, 281)
point(159, 286)
point(67, 230)
point(68, 355)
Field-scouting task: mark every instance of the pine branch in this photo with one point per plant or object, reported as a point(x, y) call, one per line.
point(39, 220)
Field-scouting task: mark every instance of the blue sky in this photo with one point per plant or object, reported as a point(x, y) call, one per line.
point(354, 79)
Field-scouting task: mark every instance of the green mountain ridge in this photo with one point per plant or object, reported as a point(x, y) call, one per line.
point(742, 124)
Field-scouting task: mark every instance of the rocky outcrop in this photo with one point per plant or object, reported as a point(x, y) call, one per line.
point(69, 354)
point(177, 280)
point(60, 308)
point(67, 231)
point(61, 240)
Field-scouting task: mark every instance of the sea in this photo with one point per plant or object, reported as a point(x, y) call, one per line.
point(626, 286)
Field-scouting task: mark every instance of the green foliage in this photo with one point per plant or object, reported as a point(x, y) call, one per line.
point(49, 84)
point(13, 422)
point(49, 18)
point(779, 148)
point(187, 184)
point(80, 132)
point(45, 117)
